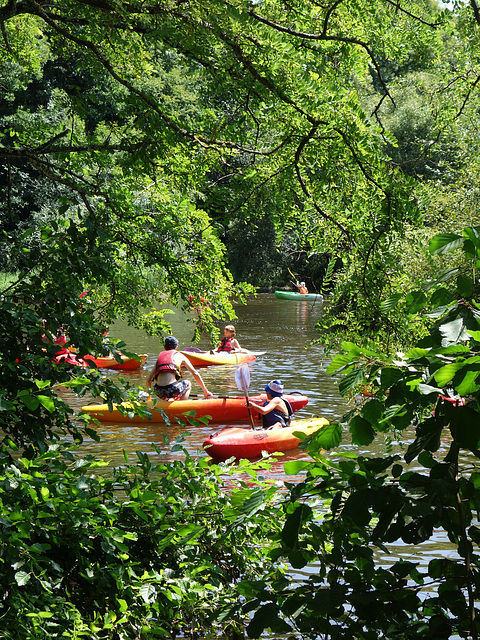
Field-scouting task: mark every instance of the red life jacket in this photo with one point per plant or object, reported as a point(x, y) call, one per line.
point(226, 345)
point(165, 362)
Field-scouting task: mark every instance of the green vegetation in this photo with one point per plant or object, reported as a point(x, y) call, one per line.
point(152, 152)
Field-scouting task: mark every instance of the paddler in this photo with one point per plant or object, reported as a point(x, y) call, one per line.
point(229, 343)
point(275, 411)
point(301, 287)
point(167, 374)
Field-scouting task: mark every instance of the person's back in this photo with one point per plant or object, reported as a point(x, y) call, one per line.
point(167, 377)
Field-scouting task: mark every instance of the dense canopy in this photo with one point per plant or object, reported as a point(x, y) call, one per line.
point(180, 151)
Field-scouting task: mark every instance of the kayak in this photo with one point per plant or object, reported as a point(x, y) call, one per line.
point(299, 297)
point(235, 442)
point(220, 409)
point(109, 362)
point(206, 358)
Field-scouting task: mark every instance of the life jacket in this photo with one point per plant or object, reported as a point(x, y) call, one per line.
point(277, 416)
point(165, 362)
point(226, 345)
point(303, 290)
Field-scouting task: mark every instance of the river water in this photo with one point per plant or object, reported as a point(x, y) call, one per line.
point(283, 329)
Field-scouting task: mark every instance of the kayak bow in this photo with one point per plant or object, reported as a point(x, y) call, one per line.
point(235, 442)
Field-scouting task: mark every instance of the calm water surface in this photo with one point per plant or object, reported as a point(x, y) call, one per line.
point(284, 330)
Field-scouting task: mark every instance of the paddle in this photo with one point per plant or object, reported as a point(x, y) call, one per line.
point(242, 378)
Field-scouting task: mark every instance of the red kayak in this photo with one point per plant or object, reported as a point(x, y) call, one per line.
point(109, 362)
point(235, 442)
point(220, 409)
point(103, 362)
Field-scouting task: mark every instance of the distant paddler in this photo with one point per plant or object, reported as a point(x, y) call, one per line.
point(167, 374)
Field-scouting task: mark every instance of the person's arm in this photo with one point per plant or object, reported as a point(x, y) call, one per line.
point(188, 365)
point(263, 410)
point(148, 384)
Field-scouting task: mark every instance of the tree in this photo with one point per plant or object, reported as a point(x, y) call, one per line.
point(370, 502)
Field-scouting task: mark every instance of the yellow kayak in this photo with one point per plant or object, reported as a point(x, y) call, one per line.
point(207, 359)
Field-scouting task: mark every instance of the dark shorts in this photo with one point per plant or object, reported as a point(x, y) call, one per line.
point(173, 390)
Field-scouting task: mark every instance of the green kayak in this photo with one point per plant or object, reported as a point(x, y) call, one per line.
point(299, 297)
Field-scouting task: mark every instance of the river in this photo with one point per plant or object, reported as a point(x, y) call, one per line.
point(282, 329)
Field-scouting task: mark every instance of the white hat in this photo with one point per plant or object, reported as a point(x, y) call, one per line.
point(274, 388)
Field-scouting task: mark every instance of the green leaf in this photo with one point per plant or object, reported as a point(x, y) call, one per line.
point(42, 384)
point(390, 303)
point(328, 601)
point(427, 389)
point(340, 362)
point(32, 402)
point(291, 528)
point(266, 617)
point(469, 384)
point(22, 577)
point(415, 302)
point(444, 243)
point(294, 467)
point(445, 374)
point(47, 402)
point(361, 430)
point(453, 332)
point(467, 428)
point(351, 380)
point(390, 376)
point(465, 285)
point(148, 593)
point(325, 438)
point(372, 411)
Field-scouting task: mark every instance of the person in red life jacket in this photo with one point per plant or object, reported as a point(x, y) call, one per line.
point(167, 375)
point(229, 343)
point(275, 411)
point(301, 287)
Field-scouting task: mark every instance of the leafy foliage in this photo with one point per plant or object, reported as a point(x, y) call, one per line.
point(349, 509)
point(149, 550)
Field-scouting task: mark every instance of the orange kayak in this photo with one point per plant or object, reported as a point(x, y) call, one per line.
point(109, 362)
point(220, 409)
point(235, 442)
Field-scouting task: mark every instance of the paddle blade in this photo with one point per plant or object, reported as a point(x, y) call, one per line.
point(242, 378)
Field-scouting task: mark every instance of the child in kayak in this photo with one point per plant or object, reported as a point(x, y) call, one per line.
point(229, 343)
point(275, 411)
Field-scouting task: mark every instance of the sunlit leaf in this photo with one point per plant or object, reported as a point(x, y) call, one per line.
point(444, 243)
